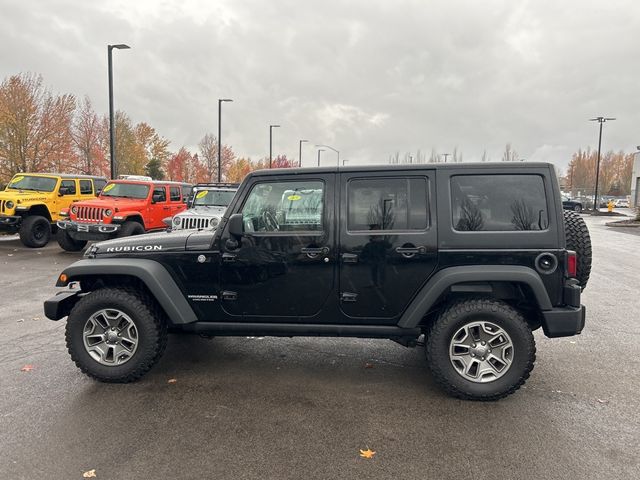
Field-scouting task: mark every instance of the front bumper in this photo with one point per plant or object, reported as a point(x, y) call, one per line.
point(10, 223)
point(89, 231)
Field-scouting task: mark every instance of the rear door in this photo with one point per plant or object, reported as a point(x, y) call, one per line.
point(158, 208)
point(387, 242)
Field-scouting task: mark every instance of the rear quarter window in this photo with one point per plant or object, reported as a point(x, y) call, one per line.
point(498, 203)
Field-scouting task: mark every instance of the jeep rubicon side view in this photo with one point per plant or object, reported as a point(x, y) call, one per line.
point(124, 208)
point(470, 257)
point(207, 206)
point(31, 203)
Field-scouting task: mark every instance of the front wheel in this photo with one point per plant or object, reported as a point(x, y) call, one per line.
point(130, 228)
point(69, 244)
point(35, 231)
point(116, 335)
point(480, 349)
point(577, 208)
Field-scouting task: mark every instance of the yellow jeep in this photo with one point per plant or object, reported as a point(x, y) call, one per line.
point(31, 203)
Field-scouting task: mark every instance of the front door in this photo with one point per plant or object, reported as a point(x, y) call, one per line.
point(158, 208)
point(387, 242)
point(284, 264)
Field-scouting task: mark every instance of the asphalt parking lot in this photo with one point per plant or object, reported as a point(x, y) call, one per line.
point(248, 408)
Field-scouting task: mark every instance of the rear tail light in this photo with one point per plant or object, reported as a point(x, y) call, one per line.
point(572, 264)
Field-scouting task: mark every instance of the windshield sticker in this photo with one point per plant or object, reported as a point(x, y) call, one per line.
point(108, 187)
point(294, 197)
point(202, 194)
point(19, 178)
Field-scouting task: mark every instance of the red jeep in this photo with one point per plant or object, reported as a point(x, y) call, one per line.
point(124, 207)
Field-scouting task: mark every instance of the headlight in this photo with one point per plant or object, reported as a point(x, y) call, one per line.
point(176, 220)
point(9, 204)
point(213, 222)
point(107, 213)
point(74, 209)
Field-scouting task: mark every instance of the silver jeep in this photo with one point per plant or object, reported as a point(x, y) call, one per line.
point(206, 207)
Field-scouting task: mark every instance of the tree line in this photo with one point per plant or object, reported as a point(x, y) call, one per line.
point(45, 132)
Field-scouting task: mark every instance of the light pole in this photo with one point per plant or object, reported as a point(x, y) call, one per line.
point(112, 131)
point(330, 148)
point(271, 127)
point(344, 162)
point(445, 156)
point(220, 100)
point(300, 153)
point(600, 120)
point(319, 150)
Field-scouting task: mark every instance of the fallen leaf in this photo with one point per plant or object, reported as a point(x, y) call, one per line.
point(20, 320)
point(172, 380)
point(27, 368)
point(9, 254)
point(89, 474)
point(600, 400)
point(571, 341)
point(368, 453)
point(368, 365)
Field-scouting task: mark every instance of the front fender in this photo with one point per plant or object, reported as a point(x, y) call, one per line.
point(157, 279)
point(444, 279)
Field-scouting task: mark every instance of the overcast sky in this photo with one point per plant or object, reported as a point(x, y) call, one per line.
point(369, 78)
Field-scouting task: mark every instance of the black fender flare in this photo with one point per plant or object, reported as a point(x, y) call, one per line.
point(155, 276)
point(445, 278)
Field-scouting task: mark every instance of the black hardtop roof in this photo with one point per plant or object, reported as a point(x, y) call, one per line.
point(216, 185)
point(64, 175)
point(495, 166)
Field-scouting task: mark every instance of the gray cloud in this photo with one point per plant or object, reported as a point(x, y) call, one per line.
point(369, 77)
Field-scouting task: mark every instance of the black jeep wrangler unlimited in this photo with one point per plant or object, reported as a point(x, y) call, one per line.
point(473, 257)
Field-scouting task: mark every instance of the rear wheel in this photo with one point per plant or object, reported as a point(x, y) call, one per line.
point(579, 240)
point(130, 228)
point(35, 231)
point(116, 335)
point(480, 349)
point(69, 244)
point(577, 208)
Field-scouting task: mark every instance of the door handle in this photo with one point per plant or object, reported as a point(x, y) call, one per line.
point(411, 251)
point(349, 258)
point(166, 208)
point(229, 257)
point(313, 252)
point(348, 297)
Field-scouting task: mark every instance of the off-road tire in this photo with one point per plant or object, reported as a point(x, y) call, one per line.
point(69, 244)
point(453, 317)
point(578, 240)
point(150, 323)
point(577, 208)
point(35, 231)
point(130, 228)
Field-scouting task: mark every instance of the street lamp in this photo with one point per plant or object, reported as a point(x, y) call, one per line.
point(331, 148)
point(220, 100)
point(112, 132)
point(445, 156)
point(271, 127)
point(300, 153)
point(600, 120)
point(319, 150)
point(344, 162)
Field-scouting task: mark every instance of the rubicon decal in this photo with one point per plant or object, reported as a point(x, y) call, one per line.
point(135, 248)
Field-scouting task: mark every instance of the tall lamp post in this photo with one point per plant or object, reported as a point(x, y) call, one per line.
point(330, 148)
point(445, 156)
point(600, 120)
point(300, 152)
point(271, 127)
point(220, 100)
point(112, 131)
point(319, 150)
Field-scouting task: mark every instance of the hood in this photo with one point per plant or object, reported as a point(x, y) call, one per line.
point(24, 195)
point(152, 243)
point(204, 211)
point(113, 202)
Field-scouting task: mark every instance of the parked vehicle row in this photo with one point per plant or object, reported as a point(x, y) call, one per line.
point(78, 208)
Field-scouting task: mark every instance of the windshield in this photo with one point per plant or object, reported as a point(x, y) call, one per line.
point(28, 182)
point(125, 190)
point(213, 198)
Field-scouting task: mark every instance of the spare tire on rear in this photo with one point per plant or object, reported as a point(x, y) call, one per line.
point(578, 240)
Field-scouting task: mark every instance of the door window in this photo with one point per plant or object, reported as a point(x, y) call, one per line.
point(174, 194)
point(387, 204)
point(159, 194)
point(70, 186)
point(284, 207)
point(85, 187)
point(498, 203)
point(99, 184)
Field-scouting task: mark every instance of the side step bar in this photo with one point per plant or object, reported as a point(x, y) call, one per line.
point(300, 330)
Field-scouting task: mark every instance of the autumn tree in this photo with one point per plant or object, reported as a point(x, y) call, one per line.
point(239, 169)
point(281, 161)
point(178, 165)
point(208, 147)
point(35, 127)
point(615, 173)
point(89, 137)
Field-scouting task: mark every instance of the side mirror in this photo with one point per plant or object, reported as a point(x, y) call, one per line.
point(236, 225)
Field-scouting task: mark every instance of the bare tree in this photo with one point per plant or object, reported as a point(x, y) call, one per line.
point(509, 155)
